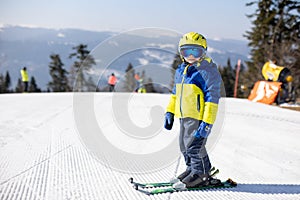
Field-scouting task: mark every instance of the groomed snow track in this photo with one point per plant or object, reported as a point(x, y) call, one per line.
point(41, 156)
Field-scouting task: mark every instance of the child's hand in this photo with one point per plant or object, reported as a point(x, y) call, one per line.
point(169, 119)
point(203, 130)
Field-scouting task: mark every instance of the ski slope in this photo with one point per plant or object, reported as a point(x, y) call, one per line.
point(50, 148)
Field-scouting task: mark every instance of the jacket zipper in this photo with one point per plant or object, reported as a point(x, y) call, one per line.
point(198, 102)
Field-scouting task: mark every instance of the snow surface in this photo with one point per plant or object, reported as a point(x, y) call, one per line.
point(45, 155)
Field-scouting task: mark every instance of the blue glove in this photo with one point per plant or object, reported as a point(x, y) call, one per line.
point(169, 119)
point(203, 130)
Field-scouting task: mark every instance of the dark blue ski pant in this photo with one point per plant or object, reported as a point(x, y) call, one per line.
point(192, 148)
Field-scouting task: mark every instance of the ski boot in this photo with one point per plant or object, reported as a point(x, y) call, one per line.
point(184, 174)
point(196, 180)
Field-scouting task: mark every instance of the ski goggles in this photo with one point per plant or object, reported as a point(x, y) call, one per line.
point(196, 51)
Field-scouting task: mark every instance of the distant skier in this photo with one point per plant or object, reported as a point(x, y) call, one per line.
point(194, 100)
point(25, 79)
point(137, 78)
point(112, 80)
point(141, 88)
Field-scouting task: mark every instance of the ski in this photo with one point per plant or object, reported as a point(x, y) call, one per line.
point(136, 185)
point(213, 171)
point(171, 189)
point(225, 184)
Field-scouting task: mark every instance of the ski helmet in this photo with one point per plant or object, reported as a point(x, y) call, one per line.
point(193, 38)
point(188, 42)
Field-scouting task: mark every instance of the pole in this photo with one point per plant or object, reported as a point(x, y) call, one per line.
point(237, 78)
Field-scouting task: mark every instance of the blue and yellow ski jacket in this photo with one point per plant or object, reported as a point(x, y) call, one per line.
point(196, 91)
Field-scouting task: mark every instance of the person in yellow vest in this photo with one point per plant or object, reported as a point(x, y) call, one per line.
point(194, 100)
point(25, 79)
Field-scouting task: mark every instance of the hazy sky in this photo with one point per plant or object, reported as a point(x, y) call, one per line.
point(212, 18)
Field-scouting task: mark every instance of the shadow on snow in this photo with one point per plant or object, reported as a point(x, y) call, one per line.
point(267, 188)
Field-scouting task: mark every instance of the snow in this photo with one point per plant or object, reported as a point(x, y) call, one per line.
point(162, 46)
point(213, 50)
point(61, 35)
point(44, 154)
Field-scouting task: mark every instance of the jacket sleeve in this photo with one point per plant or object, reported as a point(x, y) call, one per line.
point(212, 93)
point(171, 105)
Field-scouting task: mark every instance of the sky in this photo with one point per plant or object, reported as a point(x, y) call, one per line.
point(214, 19)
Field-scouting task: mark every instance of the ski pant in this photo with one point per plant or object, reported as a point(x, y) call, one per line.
point(25, 86)
point(111, 88)
point(192, 148)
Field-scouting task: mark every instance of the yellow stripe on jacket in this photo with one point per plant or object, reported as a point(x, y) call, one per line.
point(210, 112)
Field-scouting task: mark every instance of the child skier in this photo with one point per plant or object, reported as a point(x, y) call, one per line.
point(194, 100)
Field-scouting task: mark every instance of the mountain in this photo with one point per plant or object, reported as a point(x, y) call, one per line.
point(31, 47)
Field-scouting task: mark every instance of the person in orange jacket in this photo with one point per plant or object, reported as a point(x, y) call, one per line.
point(112, 80)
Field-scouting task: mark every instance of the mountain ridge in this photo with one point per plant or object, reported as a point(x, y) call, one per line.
point(32, 47)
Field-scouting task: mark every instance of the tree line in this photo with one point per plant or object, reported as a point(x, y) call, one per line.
point(5, 84)
point(61, 79)
point(275, 35)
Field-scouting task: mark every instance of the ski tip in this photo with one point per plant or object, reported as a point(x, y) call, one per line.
point(231, 182)
point(130, 180)
point(136, 187)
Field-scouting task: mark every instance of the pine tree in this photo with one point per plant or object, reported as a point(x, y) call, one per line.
point(91, 86)
point(275, 35)
point(33, 86)
point(83, 63)
point(19, 87)
point(58, 74)
point(228, 76)
point(2, 84)
point(130, 82)
point(7, 82)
